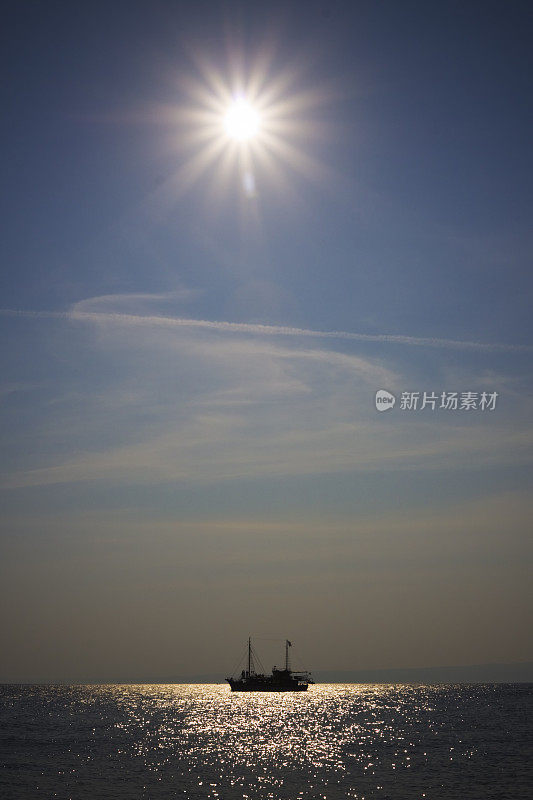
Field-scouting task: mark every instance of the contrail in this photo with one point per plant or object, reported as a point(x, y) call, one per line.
point(266, 330)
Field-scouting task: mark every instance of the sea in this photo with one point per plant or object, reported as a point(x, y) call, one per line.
point(336, 741)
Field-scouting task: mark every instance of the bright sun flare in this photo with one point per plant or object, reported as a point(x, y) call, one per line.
point(251, 127)
point(241, 121)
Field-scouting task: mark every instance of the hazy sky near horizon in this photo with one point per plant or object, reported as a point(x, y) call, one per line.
point(192, 338)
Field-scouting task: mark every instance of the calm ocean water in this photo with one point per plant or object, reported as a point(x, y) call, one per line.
point(336, 741)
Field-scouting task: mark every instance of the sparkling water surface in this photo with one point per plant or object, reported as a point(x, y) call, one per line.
point(201, 741)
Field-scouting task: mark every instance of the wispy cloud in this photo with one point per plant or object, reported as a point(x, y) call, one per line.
point(220, 447)
point(224, 401)
point(81, 312)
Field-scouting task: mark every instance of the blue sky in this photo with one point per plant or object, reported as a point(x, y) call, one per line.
point(189, 365)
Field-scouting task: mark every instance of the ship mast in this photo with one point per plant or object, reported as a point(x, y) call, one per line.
point(249, 654)
point(287, 645)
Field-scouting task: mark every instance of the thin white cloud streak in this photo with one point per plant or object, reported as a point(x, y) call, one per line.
point(105, 300)
point(13, 312)
point(224, 447)
point(250, 350)
point(262, 408)
point(101, 317)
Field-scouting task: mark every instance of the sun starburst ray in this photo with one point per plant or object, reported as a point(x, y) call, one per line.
point(256, 123)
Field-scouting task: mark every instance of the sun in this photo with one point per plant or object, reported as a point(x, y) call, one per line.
point(242, 120)
point(251, 127)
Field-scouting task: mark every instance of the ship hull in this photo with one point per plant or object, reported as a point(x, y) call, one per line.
point(235, 687)
point(281, 680)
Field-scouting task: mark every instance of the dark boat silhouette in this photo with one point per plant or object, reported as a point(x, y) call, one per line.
point(280, 680)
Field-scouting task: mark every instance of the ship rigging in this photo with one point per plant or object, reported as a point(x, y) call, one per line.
point(280, 680)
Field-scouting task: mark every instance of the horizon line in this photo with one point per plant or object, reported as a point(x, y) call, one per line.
point(208, 677)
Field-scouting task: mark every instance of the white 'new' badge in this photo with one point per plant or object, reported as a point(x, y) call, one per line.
point(384, 400)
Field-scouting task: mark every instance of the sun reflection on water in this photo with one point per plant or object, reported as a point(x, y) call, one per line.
point(202, 741)
point(325, 743)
